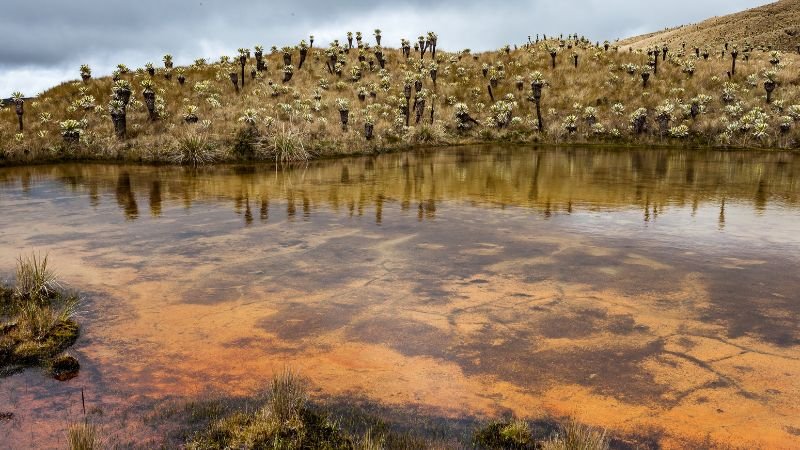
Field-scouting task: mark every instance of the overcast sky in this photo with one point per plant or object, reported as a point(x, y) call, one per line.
point(44, 41)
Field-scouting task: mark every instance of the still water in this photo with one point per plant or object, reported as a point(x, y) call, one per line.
point(633, 289)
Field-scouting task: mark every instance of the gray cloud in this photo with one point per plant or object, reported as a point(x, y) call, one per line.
point(51, 38)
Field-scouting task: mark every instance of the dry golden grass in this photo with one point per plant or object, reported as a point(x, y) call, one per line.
point(274, 120)
point(37, 320)
point(776, 24)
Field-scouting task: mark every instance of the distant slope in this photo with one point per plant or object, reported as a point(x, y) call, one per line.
point(776, 24)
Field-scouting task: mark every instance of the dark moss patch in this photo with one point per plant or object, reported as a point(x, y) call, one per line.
point(64, 367)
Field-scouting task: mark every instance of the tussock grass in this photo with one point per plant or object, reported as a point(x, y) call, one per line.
point(284, 144)
point(287, 420)
point(194, 149)
point(37, 320)
point(516, 433)
point(576, 436)
point(34, 280)
point(284, 421)
point(83, 436)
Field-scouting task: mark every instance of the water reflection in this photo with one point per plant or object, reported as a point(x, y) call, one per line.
point(652, 286)
point(548, 181)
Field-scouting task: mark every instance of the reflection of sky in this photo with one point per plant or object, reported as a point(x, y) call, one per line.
point(741, 226)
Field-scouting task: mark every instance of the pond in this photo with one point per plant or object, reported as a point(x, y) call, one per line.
point(634, 289)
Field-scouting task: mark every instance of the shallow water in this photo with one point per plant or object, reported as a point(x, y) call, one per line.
point(646, 289)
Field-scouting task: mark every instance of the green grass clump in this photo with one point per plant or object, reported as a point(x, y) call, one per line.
point(37, 320)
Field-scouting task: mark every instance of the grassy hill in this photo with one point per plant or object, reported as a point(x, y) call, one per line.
point(341, 101)
point(776, 24)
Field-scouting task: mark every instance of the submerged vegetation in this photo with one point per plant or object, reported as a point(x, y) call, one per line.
point(301, 101)
point(37, 321)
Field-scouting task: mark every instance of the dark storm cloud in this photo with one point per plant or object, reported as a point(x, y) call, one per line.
point(45, 40)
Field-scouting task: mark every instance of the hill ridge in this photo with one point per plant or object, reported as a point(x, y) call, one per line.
point(775, 24)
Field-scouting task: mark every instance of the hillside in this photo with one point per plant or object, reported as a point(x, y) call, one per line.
point(348, 97)
point(776, 24)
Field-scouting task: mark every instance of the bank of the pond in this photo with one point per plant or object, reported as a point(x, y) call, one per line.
point(347, 101)
point(37, 322)
point(229, 159)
